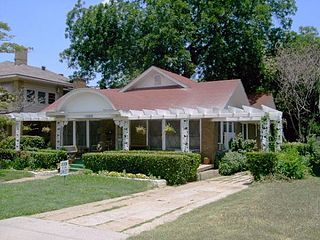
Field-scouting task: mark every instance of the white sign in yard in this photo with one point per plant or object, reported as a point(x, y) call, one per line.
point(64, 168)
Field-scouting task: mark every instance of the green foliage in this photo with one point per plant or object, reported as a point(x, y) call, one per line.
point(314, 147)
point(232, 162)
point(291, 164)
point(302, 148)
point(238, 144)
point(124, 174)
point(261, 164)
point(214, 39)
point(6, 45)
point(26, 142)
point(6, 157)
point(4, 123)
point(41, 158)
point(176, 168)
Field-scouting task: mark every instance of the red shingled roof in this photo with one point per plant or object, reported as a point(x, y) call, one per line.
point(215, 94)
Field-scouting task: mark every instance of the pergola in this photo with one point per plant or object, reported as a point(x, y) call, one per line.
point(265, 116)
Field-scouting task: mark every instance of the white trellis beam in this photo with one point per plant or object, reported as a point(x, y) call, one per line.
point(184, 123)
point(18, 134)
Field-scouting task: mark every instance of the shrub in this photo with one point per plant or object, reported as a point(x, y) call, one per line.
point(217, 160)
point(261, 163)
point(31, 159)
point(25, 142)
point(176, 168)
point(302, 148)
point(232, 162)
point(238, 144)
point(291, 164)
point(6, 157)
point(314, 160)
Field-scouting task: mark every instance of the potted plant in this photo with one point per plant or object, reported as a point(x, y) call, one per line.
point(169, 129)
point(206, 160)
point(141, 130)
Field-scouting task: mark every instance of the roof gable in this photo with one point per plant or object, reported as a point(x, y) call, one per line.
point(157, 78)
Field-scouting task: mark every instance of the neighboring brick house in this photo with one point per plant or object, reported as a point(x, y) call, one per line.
point(39, 86)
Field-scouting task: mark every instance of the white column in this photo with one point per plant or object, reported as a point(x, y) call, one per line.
point(59, 127)
point(147, 132)
point(74, 133)
point(18, 134)
point(278, 133)
point(124, 124)
point(87, 134)
point(184, 126)
point(265, 132)
point(126, 135)
point(163, 125)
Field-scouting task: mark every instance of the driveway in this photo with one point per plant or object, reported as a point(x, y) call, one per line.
point(122, 217)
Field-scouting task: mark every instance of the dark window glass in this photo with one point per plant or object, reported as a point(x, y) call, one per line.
point(30, 95)
point(51, 98)
point(42, 97)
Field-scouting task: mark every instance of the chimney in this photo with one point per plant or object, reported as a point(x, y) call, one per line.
point(79, 83)
point(43, 68)
point(21, 57)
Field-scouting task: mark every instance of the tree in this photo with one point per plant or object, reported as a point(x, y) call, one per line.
point(6, 46)
point(208, 40)
point(298, 79)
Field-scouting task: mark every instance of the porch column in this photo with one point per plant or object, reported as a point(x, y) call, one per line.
point(184, 123)
point(59, 127)
point(163, 135)
point(278, 133)
point(18, 134)
point(124, 124)
point(265, 132)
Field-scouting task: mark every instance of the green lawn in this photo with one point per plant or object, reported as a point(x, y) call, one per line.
point(43, 195)
point(8, 174)
point(274, 210)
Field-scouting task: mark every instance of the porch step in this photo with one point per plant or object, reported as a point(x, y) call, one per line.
point(204, 175)
point(204, 167)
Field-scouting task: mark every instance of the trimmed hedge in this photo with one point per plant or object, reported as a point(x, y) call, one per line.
point(232, 162)
point(261, 163)
point(25, 142)
point(175, 167)
point(291, 164)
point(302, 148)
point(42, 158)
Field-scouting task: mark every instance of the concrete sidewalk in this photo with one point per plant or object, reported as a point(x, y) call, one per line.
point(122, 217)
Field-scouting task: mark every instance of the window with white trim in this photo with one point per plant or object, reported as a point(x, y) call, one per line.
point(41, 97)
point(51, 98)
point(30, 95)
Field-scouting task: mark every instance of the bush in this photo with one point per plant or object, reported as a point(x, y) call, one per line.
point(26, 142)
point(31, 159)
point(238, 144)
point(302, 148)
point(314, 160)
point(217, 160)
point(232, 162)
point(6, 158)
point(291, 164)
point(261, 163)
point(176, 168)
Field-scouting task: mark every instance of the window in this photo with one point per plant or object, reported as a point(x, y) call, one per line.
point(30, 95)
point(68, 134)
point(51, 98)
point(194, 135)
point(42, 97)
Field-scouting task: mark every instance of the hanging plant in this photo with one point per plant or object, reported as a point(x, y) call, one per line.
point(141, 130)
point(169, 129)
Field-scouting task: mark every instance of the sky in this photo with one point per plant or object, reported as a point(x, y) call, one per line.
point(40, 24)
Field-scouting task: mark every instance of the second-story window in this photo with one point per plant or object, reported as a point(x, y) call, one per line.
point(30, 95)
point(41, 97)
point(51, 97)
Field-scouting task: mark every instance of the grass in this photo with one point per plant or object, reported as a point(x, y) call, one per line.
point(9, 174)
point(269, 210)
point(44, 195)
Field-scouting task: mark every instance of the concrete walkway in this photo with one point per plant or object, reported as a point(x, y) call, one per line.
point(125, 216)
